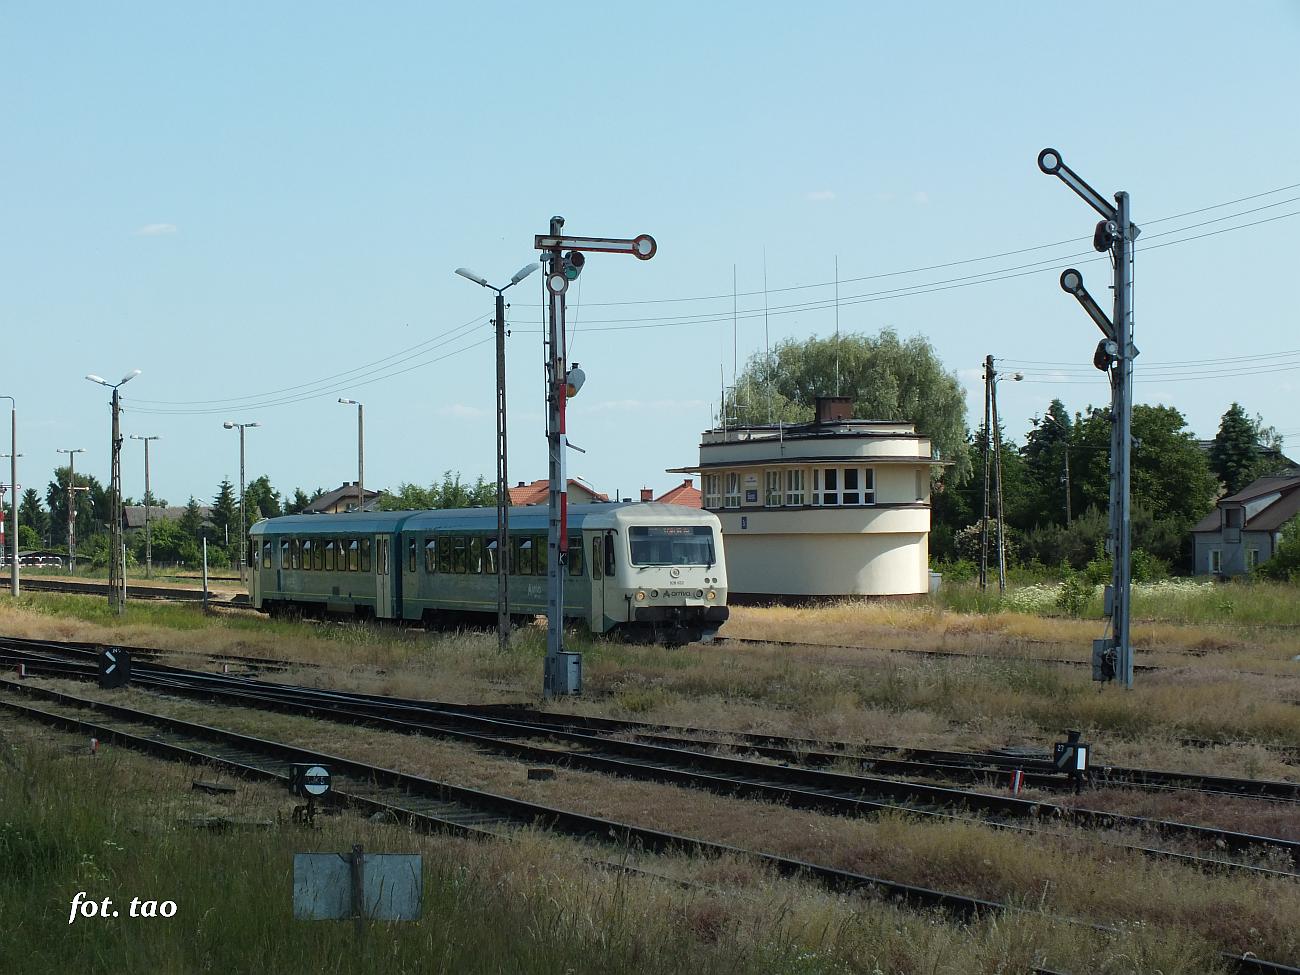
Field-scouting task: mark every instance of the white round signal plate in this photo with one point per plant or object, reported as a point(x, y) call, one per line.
point(557, 283)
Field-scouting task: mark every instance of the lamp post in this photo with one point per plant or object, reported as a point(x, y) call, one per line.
point(503, 483)
point(116, 557)
point(241, 427)
point(994, 379)
point(361, 449)
point(148, 503)
point(72, 506)
point(13, 488)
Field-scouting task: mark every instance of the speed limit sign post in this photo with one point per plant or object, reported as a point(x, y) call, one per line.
point(311, 782)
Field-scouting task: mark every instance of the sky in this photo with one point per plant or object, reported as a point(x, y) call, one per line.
point(261, 208)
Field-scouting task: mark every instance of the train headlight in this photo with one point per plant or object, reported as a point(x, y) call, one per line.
point(711, 595)
point(640, 595)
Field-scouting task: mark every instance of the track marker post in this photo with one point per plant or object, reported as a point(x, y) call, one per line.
point(563, 259)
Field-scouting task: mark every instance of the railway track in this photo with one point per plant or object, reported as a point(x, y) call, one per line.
point(159, 593)
point(689, 764)
point(441, 806)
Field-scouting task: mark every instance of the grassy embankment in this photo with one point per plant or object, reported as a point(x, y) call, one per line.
point(530, 905)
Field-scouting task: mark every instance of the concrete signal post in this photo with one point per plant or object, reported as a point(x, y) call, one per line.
point(13, 492)
point(1112, 656)
point(148, 503)
point(72, 504)
point(564, 258)
point(243, 529)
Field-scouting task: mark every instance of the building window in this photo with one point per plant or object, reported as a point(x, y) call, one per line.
point(733, 489)
point(773, 489)
point(712, 491)
point(794, 488)
point(1216, 561)
point(922, 486)
point(1252, 558)
point(838, 486)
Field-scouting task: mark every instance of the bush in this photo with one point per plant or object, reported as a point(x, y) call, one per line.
point(1073, 594)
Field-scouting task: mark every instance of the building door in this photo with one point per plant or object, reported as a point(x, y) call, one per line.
point(383, 578)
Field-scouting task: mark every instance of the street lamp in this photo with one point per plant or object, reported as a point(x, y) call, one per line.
point(116, 557)
point(503, 483)
point(13, 487)
point(148, 503)
point(361, 449)
point(243, 542)
point(72, 506)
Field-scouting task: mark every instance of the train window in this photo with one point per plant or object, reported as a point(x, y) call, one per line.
point(412, 556)
point(541, 552)
point(597, 560)
point(794, 486)
point(306, 554)
point(329, 555)
point(353, 556)
point(444, 554)
point(295, 553)
point(490, 556)
point(521, 550)
point(575, 555)
point(609, 553)
point(381, 557)
point(365, 554)
point(733, 489)
point(266, 555)
point(430, 555)
point(474, 563)
point(671, 545)
point(458, 555)
point(318, 557)
point(284, 553)
point(772, 496)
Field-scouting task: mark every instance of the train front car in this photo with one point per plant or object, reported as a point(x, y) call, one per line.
point(664, 572)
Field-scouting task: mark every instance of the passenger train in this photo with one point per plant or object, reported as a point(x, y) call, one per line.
point(645, 571)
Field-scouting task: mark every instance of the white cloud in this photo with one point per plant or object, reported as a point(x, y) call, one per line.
point(157, 230)
point(820, 196)
point(461, 411)
point(921, 197)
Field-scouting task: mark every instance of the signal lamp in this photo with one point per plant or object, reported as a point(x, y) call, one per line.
point(573, 381)
point(574, 262)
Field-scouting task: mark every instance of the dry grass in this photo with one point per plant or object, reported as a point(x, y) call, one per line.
point(1071, 873)
point(526, 905)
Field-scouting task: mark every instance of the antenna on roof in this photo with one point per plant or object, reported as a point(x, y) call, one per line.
point(837, 324)
point(767, 340)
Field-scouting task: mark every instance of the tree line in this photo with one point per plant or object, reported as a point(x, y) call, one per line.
point(1175, 481)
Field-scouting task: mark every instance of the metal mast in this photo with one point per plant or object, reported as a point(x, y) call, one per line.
point(1115, 234)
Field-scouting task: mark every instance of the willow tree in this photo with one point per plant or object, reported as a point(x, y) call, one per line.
point(887, 377)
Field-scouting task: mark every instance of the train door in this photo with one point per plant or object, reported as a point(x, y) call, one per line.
point(597, 562)
point(383, 578)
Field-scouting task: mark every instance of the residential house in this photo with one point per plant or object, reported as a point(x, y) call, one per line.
point(343, 498)
point(1245, 528)
point(580, 492)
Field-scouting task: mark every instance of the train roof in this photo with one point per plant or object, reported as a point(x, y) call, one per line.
point(533, 517)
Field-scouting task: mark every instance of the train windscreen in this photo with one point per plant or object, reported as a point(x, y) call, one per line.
point(672, 545)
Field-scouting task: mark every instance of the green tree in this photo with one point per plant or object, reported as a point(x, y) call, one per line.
point(1241, 449)
point(453, 492)
point(300, 501)
point(888, 378)
point(32, 515)
point(90, 506)
point(1171, 476)
point(225, 512)
point(261, 500)
point(1045, 452)
point(191, 520)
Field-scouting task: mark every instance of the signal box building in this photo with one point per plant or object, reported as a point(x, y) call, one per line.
point(835, 507)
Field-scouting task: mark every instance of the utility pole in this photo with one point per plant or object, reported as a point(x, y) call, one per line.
point(361, 450)
point(148, 503)
point(564, 258)
point(984, 522)
point(72, 506)
point(503, 479)
point(243, 540)
point(13, 488)
point(116, 555)
point(1112, 656)
point(997, 473)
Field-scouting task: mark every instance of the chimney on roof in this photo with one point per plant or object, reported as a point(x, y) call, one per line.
point(834, 409)
point(647, 494)
point(520, 484)
point(688, 482)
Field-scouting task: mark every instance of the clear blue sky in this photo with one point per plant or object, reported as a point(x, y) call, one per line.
point(242, 198)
